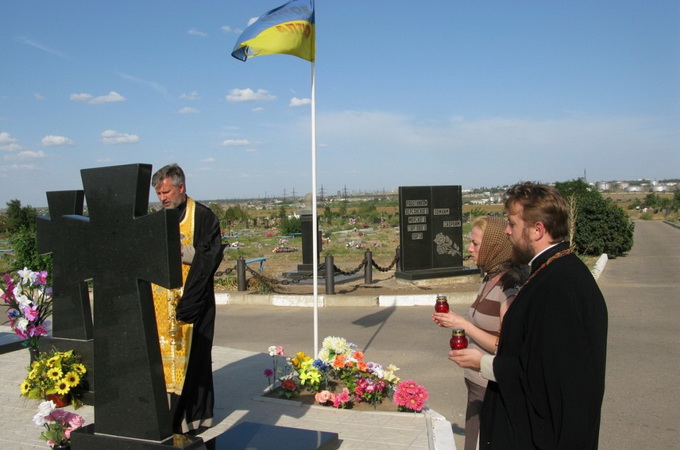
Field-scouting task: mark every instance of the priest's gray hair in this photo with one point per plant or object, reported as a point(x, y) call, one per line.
point(172, 171)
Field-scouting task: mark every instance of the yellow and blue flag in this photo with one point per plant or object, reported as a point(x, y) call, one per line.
point(288, 29)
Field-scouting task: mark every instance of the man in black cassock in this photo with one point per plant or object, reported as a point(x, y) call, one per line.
point(547, 377)
point(185, 317)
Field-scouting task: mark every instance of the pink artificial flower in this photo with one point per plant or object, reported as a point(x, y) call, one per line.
point(9, 282)
point(409, 386)
point(58, 415)
point(42, 277)
point(341, 399)
point(31, 313)
point(280, 350)
point(74, 420)
point(268, 373)
point(20, 333)
point(324, 397)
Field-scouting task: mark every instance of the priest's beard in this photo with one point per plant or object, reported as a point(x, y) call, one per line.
point(522, 251)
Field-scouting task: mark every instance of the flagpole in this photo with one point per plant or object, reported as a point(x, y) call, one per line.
point(315, 231)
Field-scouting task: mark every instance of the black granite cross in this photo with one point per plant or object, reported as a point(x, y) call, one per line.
point(123, 249)
point(60, 234)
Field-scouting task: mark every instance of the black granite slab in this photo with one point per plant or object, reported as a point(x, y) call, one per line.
point(258, 436)
point(431, 228)
point(61, 235)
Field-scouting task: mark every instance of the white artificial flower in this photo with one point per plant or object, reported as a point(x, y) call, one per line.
point(39, 419)
point(272, 350)
point(23, 300)
point(45, 408)
point(21, 324)
point(27, 276)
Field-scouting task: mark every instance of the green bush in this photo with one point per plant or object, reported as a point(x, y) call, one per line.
point(290, 225)
point(25, 246)
point(601, 226)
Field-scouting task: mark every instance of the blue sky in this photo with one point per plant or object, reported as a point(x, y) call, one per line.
point(472, 93)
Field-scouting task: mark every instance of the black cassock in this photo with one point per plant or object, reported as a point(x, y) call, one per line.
point(550, 363)
point(194, 408)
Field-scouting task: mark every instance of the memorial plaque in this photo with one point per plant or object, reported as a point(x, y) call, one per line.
point(431, 231)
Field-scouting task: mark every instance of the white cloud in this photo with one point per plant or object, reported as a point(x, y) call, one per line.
point(257, 109)
point(30, 154)
point(299, 101)
point(228, 29)
point(209, 160)
point(248, 95)
point(8, 143)
point(236, 142)
point(114, 137)
point(51, 140)
point(111, 97)
point(195, 32)
point(39, 46)
point(17, 167)
point(188, 110)
point(80, 97)
point(193, 95)
point(38, 96)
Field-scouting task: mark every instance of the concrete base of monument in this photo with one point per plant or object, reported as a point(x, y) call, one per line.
point(443, 272)
point(87, 438)
point(249, 435)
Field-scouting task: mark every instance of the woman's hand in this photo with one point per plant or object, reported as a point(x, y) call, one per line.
point(449, 320)
point(469, 358)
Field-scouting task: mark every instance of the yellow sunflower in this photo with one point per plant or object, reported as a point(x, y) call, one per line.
point(80, 368)
point(53, 360)
point(25, 387)
point(72, 378)
point(62, 387)
point(54, 373)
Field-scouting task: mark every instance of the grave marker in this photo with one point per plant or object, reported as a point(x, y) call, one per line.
point(123, 251)
point(431, 232)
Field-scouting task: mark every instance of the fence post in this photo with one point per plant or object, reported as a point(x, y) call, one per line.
point(330, 275)
point(368, 270)
point(241, 274)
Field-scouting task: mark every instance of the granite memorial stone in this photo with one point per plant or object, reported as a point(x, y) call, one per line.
point(431, 232)
point(123, 251)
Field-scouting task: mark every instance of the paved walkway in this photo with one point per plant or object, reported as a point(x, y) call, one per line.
point(238, 401)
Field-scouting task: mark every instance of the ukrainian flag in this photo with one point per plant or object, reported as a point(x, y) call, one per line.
point(288, 29)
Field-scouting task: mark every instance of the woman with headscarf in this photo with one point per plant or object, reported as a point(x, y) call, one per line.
point(491, 250)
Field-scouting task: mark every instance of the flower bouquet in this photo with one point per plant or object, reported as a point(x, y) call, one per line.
point(339, 367)
point(58, 424)
point(410, 396)
point(55, 374)
point(29, 303)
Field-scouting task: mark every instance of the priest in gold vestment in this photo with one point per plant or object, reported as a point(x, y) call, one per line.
point(185, 317)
